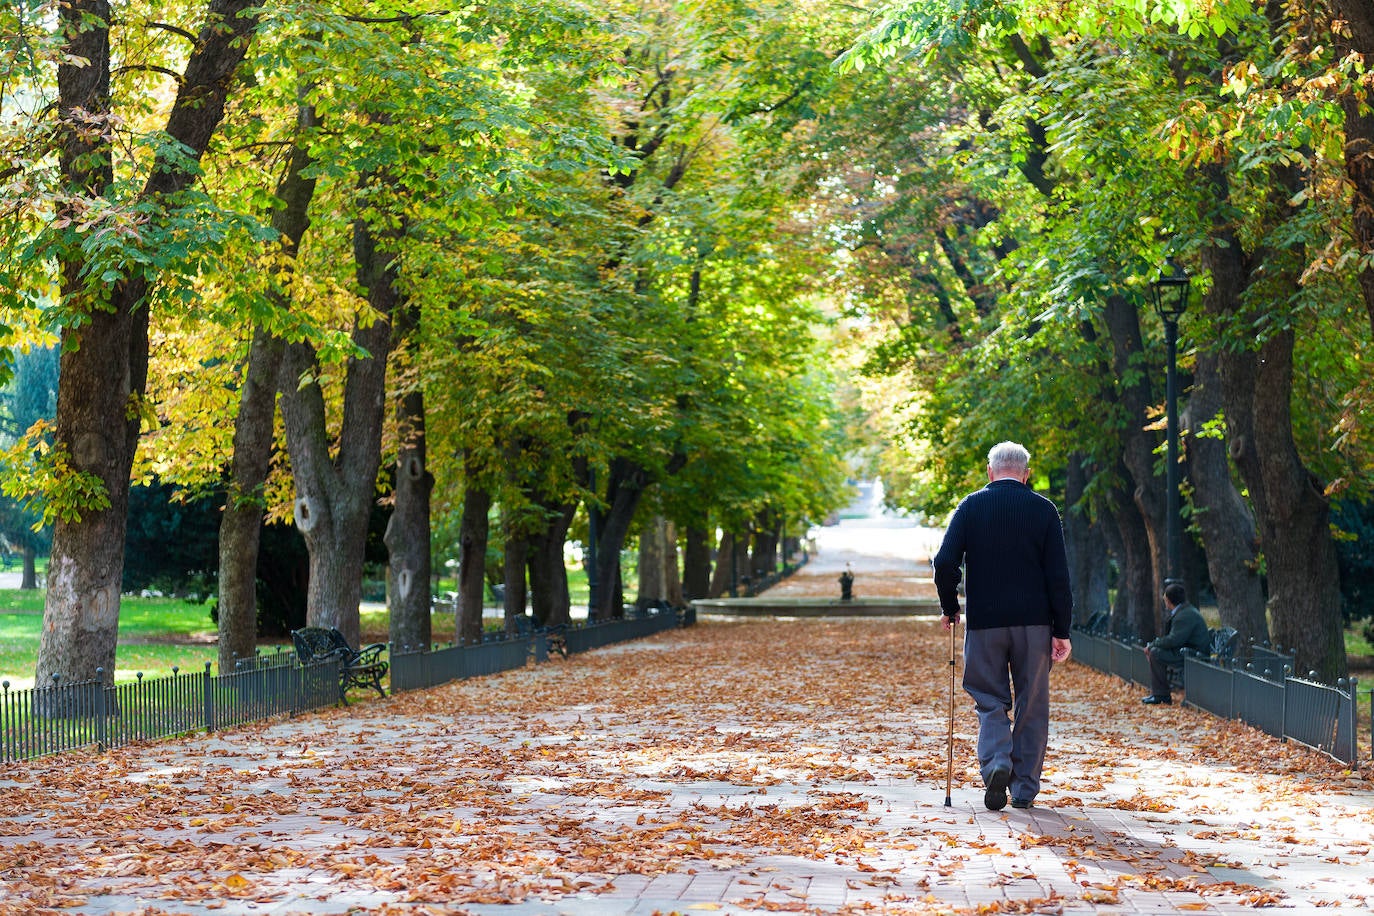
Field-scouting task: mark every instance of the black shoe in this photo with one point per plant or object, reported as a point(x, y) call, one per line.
point(1020, 802)
point(995, 798)
point(1158, 700)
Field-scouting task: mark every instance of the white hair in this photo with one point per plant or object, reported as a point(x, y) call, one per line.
point(1008, 457)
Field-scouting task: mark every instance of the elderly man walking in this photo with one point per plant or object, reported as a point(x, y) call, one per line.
point(1010, 543)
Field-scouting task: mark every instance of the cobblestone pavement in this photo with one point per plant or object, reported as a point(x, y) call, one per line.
point(733, 767)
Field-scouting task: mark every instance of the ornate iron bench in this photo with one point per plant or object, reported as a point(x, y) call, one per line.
point(357, 668)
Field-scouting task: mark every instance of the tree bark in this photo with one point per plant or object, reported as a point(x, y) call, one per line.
point(1086, 546)
point(624, 489)
point(1292, 513)
point(550, 602)
point(515, 558)
point(1358, 37)
point(765, 557)
point(721, 580)
point(335, 488)
point(28, 580)
point(1135, 612)
point(240, 529)
point(472, 564)
point(104, 363)
point(696, 564)
point(653, 586)
point(407, 535)
point(672, 575)
point(1227, 525)
point(1138, 444)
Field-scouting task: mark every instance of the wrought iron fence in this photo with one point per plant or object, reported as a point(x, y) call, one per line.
point(418, 669)
point(62, 717)
point(1260, 691)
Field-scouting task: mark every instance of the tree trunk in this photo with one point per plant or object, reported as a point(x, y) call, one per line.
point(721, 580)
point(472, 564)
point(653, 586)
point(1137, 600)
point(1291, 510)
point(549, 599)
point(1227, 525)
point(28, 580)
point(515, 556)
point(696, 564)
point(335, 487)
point(1138, 444)
point(104, 363)
point(623, 493)
point(1086, 547)
point(408, 531)
point(672, 576)
point(240, 529)
point(765, 557)
point(1358, 16)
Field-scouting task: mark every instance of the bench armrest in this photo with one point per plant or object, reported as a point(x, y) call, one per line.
point(369, 655)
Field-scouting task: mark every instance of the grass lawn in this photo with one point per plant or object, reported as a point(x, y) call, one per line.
point(155, 635)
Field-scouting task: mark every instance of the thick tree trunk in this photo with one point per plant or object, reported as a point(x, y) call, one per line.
point(335, 487)
point(1135, 612)
point(696, 564)
point(722, 580)
point(1227, 525)
point(653, 586)
point(472, 564)
point(1292, 514)
point(240, 529)
point(1292, 511)
point(104, 363)
point(764, 561)
point(408, 531)
point(515, 558)
point(28, 579)
point(1086, 547)
point(672, 573)
point(550, 602)
point(1138, 444)
point(623, 493)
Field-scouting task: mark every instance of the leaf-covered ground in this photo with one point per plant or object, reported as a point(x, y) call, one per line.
point(789, 765)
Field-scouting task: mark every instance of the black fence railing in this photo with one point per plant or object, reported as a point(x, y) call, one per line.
point(60, 717)
point(416, 670)
point(1259, 691)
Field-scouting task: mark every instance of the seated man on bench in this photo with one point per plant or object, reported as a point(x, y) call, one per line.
point(1186, 630)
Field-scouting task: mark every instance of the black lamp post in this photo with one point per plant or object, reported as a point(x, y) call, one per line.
point(1171, 300)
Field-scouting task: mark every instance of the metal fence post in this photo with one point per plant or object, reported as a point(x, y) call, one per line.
point(209, 700)
point(102, 737)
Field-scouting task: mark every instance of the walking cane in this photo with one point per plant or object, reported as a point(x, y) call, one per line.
point(949, 770)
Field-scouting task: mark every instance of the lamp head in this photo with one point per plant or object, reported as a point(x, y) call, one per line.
point(1170, 290)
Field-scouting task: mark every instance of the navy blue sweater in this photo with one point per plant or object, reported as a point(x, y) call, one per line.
point(1010, 542)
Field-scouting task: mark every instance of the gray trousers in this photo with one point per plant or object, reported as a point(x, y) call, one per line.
point(1001, 664)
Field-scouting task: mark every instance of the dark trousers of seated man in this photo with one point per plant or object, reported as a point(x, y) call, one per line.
point(1161, 660)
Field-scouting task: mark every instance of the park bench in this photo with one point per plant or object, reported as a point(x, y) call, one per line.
point(357, 668)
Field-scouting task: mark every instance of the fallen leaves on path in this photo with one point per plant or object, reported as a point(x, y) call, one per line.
point(708, 757)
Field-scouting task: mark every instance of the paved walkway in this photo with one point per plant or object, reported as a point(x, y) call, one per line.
point(733, 767)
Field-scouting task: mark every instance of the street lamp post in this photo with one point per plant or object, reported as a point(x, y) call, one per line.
point(1171, 300)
